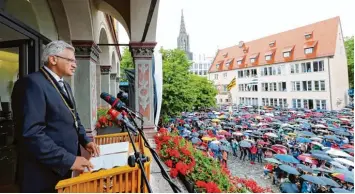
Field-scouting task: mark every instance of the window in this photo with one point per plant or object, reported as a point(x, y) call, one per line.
point(263, 101)
point(297, 69)
point(322, 85)
point(217, 66)
point(197, 65)
point(287, 54)
point(239, 62)
point(298, 86)
point(304, 85)
point(271, 102)
point(221, 100)
point(321, 65)
point(228, 62)
point(285, 103)
point(274, 70)
point(267, 102)
point(293, 84)
point(270, 71)
point(216, 76)
point(225, 89)
point(294, 104)
point(316, 85)
point(283, 69)
point(315, 66)
point(200, 65)
point(268, 57)
point(282, 86)
point(303, 67)
point(309, 85)
point(308, 51)
point(271, 86)
point(254, 72)
point(224, 74)
point(305, 103)
point(279, 70)
point(252, 60)
point(265, 70)
point(226, 100)
point(309, 66)
point(275, 88)
point(240, 74)
point(324, 104)
point(262, 71)
point(292, 68)
point(299, 104)
point(318, 104)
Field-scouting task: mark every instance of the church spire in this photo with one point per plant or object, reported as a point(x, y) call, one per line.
point(182, 24)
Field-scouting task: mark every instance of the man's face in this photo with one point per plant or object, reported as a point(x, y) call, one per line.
point(66, 63)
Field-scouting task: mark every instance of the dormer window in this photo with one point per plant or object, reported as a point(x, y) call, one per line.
point(225, 55)
point(267, 57)
point(287, 51)
point(252, 60)
point(239, 62)
point(308, 35)
point(272, 44)
point(218, 65)
point(287, 54)
point(308, 51)
point(245, 50)
point(228, 62)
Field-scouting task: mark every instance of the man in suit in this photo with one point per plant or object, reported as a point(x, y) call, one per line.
point(48, 127)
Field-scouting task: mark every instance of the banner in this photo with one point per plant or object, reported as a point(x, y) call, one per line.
point(232, 84)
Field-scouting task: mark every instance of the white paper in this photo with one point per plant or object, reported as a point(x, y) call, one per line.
point(114, 148)
point(109, 161)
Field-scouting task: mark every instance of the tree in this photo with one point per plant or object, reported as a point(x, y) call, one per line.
point(126, 63)
point(349, 46)
point(183, 91)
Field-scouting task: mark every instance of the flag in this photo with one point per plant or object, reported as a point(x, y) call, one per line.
point(231, 84)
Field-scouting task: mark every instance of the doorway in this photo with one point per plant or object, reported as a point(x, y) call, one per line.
point(310, 104)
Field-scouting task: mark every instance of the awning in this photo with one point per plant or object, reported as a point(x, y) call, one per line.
point(310, 44)
point(253, 56)
point(288, 49)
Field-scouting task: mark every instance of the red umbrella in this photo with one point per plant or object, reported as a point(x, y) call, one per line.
point(263, 143)
point(279, 149)
point(347, 146)
point(307, 158)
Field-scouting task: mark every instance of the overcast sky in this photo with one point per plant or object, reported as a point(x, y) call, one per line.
point(214, 24)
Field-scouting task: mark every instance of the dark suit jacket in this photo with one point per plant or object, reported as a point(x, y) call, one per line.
point(46, 137)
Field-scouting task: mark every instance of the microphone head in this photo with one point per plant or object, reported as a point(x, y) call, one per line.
point(107, 97)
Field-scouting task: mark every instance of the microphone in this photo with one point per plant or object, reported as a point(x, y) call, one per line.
point(121, 117)
point(123, 96)
point(117, 104)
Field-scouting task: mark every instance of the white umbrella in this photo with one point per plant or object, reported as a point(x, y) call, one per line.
point(237, 133)
point(317, 144)
point(215, 141)
point(316, 139)
point(320, 126)
point(344, 119)
point(344, 161)
point(336, 152)
point(271, 134)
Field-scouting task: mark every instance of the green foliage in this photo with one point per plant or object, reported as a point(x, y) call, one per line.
point(126, 63)
point(349, 46)
point(183, 91)
point(101, 111)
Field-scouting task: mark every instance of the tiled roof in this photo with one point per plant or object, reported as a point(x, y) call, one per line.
point(322, 37)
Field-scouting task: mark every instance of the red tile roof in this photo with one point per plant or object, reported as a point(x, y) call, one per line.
point(323, 37)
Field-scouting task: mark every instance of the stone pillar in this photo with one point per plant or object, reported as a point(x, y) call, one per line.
point(87, 55)
point(117, 84)
point(105, 82)
point(142, 54)
point(113, 84)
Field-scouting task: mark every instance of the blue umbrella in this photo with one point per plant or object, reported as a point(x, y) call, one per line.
point(195, 134)
point(289, 169)
point(214, 146)
point(323, 170)
point(286, 158)
point(340, 190)
point(288, 187)
point(318, 152)
point(322, 157)
point(303, 140)
point(343, 133)
point(245, 144)
point(305, 168)
point(224, 141)
point(313, 179)
point(332, 137)
point(195, 140)
point(329, 181)
point(306, 133)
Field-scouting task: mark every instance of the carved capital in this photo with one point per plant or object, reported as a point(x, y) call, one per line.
point(143, 50)
point(87, 49)
point(113, 76)
point(117, 79)
point(105, 69)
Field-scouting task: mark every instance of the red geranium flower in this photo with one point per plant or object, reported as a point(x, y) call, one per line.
point(173, 172)
point(169, 163)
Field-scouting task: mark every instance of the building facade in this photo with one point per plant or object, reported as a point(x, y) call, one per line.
point(183, 40)
point(201, 65)
point(300, 68)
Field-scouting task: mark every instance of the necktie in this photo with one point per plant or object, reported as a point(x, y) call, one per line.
point(61, 83)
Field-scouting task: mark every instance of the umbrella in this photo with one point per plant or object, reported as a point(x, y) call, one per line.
point(226, 148)
point(195, 140)
point(238, 133)
point(320, 126)
point(340, 190)
point(318, 152)
point(262, 143)
point(307, 158)
point(215, 142)
point(214, 146)
point(316, 139)
point(313, 179)
point(286, 158)
point(347, 146)
point(329, 181)
point(321, 156)
point(271, 134)
point(305, 168)
point(202, 132)
point(257, 133)
point(187, 125)
point(332, 137)
point(224, 141)
point(195, 134)
point(344, 177)
point(206, 138)
point(272, 160)
point(245, 144)
point(349, 150)
point(343, 133)
point(317, 144)
point(306, 134)
point(289, 169)
point(288, 187)
point(323, 170)
point(337, 164)
point(280, 149)
point(344, 161)
point(303, 140)
point(336, 152)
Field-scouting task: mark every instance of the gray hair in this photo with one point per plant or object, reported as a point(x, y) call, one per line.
point(55, 48)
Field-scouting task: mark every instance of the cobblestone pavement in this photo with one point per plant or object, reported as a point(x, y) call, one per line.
point(247, 170)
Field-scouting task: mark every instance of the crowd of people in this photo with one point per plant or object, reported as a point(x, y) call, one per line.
point(302, 150)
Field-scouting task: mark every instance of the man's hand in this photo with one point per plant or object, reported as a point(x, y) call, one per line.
point(93, 149)
point(81, 163)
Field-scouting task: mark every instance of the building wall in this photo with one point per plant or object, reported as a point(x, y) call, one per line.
point(224, 78)
point(339, 74)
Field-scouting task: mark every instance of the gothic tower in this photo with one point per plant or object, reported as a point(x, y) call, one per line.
point(183, 41)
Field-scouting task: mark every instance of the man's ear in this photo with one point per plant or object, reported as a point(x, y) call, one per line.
point(52, 60)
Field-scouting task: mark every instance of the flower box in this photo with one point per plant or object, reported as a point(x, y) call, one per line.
point(189, 185)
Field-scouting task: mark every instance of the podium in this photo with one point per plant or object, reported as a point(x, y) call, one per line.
point(124, 179)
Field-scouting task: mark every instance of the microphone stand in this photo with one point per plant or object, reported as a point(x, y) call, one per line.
point(166, 176)
point(140, 160)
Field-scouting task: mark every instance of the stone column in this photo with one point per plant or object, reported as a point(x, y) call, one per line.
point(142, 54)
point(105, 82)
point(117, 84)
point(87, 55)
point(113, 84)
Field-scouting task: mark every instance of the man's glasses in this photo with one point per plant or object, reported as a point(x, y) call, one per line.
point(69, 60)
